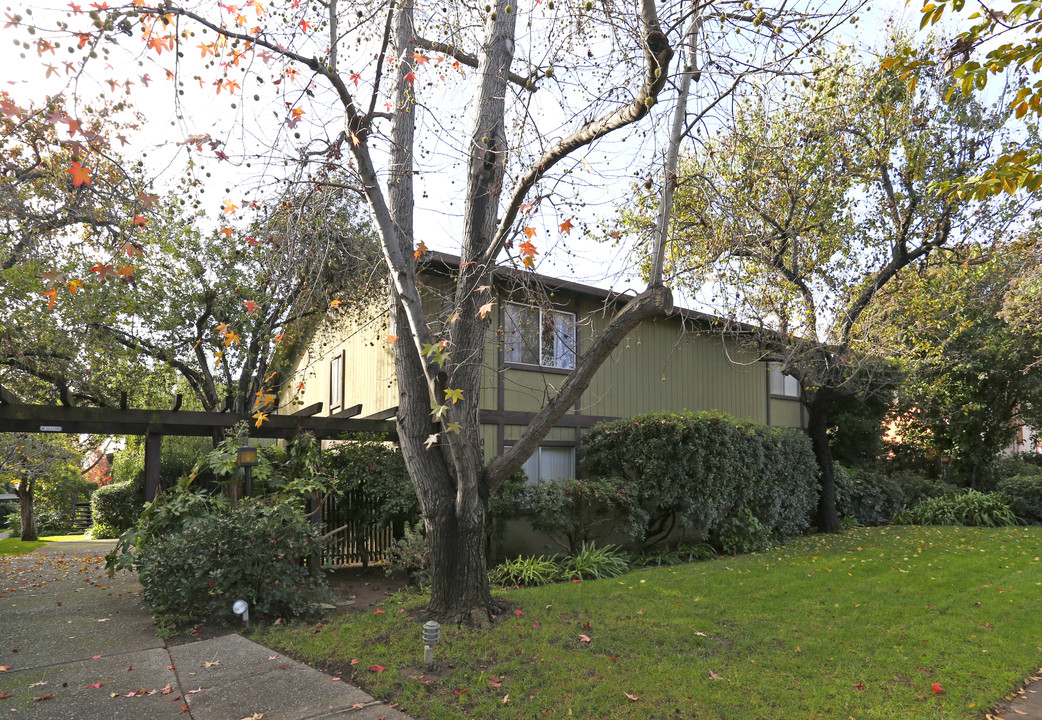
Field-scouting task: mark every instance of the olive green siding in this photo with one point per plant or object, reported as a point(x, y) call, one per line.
point(368, 362)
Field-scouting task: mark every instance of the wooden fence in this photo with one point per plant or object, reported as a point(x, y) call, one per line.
point(359, 542)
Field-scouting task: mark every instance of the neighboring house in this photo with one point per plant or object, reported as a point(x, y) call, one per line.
point(672, 364)
point(539, 326)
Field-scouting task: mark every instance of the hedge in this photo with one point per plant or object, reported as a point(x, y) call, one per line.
point(730, 481)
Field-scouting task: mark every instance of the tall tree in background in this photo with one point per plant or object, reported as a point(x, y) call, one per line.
point(378, 88)
point(28, 458)
point(970, 376)
point(795, 218)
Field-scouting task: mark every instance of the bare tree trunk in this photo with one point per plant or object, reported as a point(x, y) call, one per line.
point(817, 427)
point(26, 491)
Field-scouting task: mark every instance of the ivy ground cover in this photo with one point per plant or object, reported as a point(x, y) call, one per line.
point(892, 622)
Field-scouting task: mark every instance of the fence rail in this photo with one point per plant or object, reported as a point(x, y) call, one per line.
point(359, 542)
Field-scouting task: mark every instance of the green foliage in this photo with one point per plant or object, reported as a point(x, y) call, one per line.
point(1023, 493)
point(256, 550)
point(574, 512)
point(590, 562)
point(742, 533)
point(856, 427)
point(683, 553)
point(377, 470)
point(970, 508)
point(410, 554)
point(119, 505)
point(506, 504)
point(703, 469)
point(527, 571)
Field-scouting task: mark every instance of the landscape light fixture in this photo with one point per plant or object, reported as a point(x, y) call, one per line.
point(431, 631)
point(239, 607)
point(246, 459)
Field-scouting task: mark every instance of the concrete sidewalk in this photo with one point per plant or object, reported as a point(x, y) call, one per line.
point(77, 645)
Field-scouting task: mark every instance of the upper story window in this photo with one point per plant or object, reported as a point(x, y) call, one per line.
point(782, 385)
point(534, 336)
point(336, 382)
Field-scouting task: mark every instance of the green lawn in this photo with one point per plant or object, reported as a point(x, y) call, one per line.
point(14, 546)
point(854, 626)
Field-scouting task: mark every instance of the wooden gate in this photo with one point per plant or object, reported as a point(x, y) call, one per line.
point(359, 542)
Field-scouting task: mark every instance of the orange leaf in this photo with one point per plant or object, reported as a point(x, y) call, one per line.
point(529, 232)
point(80, 174)
point(420, 250)
point(250, 305)
point(227, 231)
point(377, 668)
point(410, 77)
point(566, 226)
point(53, 295)
point(392, 338)
point(75, 285)
point(527, 248)
point(420, 59)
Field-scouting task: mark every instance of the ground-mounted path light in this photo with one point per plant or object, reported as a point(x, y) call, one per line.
point(431, 631)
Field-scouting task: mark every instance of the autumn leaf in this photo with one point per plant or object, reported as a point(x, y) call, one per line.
point(259, 417)
point(420, 250)
point(536, 625)
point(419, 58)
point(229, 207)
point(454, 395)
point(937, 688)
point(392, 338)
point(410, 77)
point(5, 694)
point(566, 226)
point(211, 664)
point(227, 231)
point(529, 232)
point(634, 698)
point(95, 686)
point(518, 613)
point(48, 696)
point(377, 668)
point(714, 676)
point(250, 305)
point(80, 174)
point(584, 638)
point(486, 309)
point(52, 295)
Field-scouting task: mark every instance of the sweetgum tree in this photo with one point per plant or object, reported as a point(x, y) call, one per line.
point(511, 104)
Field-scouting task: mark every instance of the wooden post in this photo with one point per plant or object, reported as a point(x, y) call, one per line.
point(153, 444)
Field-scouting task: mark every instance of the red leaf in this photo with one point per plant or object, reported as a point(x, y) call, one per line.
point(80, 174)
point(536, 625)
point(634, 698)
point(587, 626)
point(460, 692)
point(43, 697)
point(5, 694)
point(95, 686)
point(377, 668)
point(714, 676)
point(937, 688)
point(584, 638)
point(566, 226)
point(355, 661)
point(250, 305)
point(518, 613)
point(378, 612)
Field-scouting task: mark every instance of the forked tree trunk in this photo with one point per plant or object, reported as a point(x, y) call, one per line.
point(26, 491)
point(817, 427)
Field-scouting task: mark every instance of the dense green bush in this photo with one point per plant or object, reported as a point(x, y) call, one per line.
point(742, 533)
point(118, 506)
point(970, 508)
point(255, 550)
point(1023, 493)
point(573, 512)
point(874, 495)
point(590, 562)
point(709, 472)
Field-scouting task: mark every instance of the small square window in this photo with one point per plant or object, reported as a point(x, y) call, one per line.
point(782, 385)
point(539, 337)
point(550, 463)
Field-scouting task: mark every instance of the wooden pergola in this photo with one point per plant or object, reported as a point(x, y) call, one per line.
point(16, 416)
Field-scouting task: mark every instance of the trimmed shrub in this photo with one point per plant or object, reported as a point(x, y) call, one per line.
point(709, 472)
point(119, 506)
point(970, 508)
point(1023, 493)
point(573, 512)
point(872, 496)
point(255, 550)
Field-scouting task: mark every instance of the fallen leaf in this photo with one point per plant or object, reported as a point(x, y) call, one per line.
point(536, 625)
point(937, 688)
point(5, 694)
point(377, 668)
point(460, 692)
point(38, 684)
point(4, 668)
point(495, 682)
point(254, 716)
point(506, 698)
point(714, 676)
point(273, 657)
point(634, 698)
point(584, 638)
point(355, 661)
point(96, 685)
point(43, 697)
point(211, 664)
point(518, 613)
point(378, 612)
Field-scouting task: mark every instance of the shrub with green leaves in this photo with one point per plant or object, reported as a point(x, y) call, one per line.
point(742, 533)
point(411, 554)
point(970, 508)
point(573, 512)
point(119, 506)
point(256, 550)
point(590, 562)
point(527, 571)
point(1023, 493)
point(704, 469)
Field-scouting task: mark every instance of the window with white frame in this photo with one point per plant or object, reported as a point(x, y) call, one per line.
point(533, 336)
point(550, 463)
point(782, 385)
point(336, 382)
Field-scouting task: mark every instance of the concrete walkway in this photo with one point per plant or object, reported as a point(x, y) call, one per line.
point(77, 645)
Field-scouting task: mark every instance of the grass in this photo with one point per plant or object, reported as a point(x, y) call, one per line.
point(14, 546)
point(854, 626)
